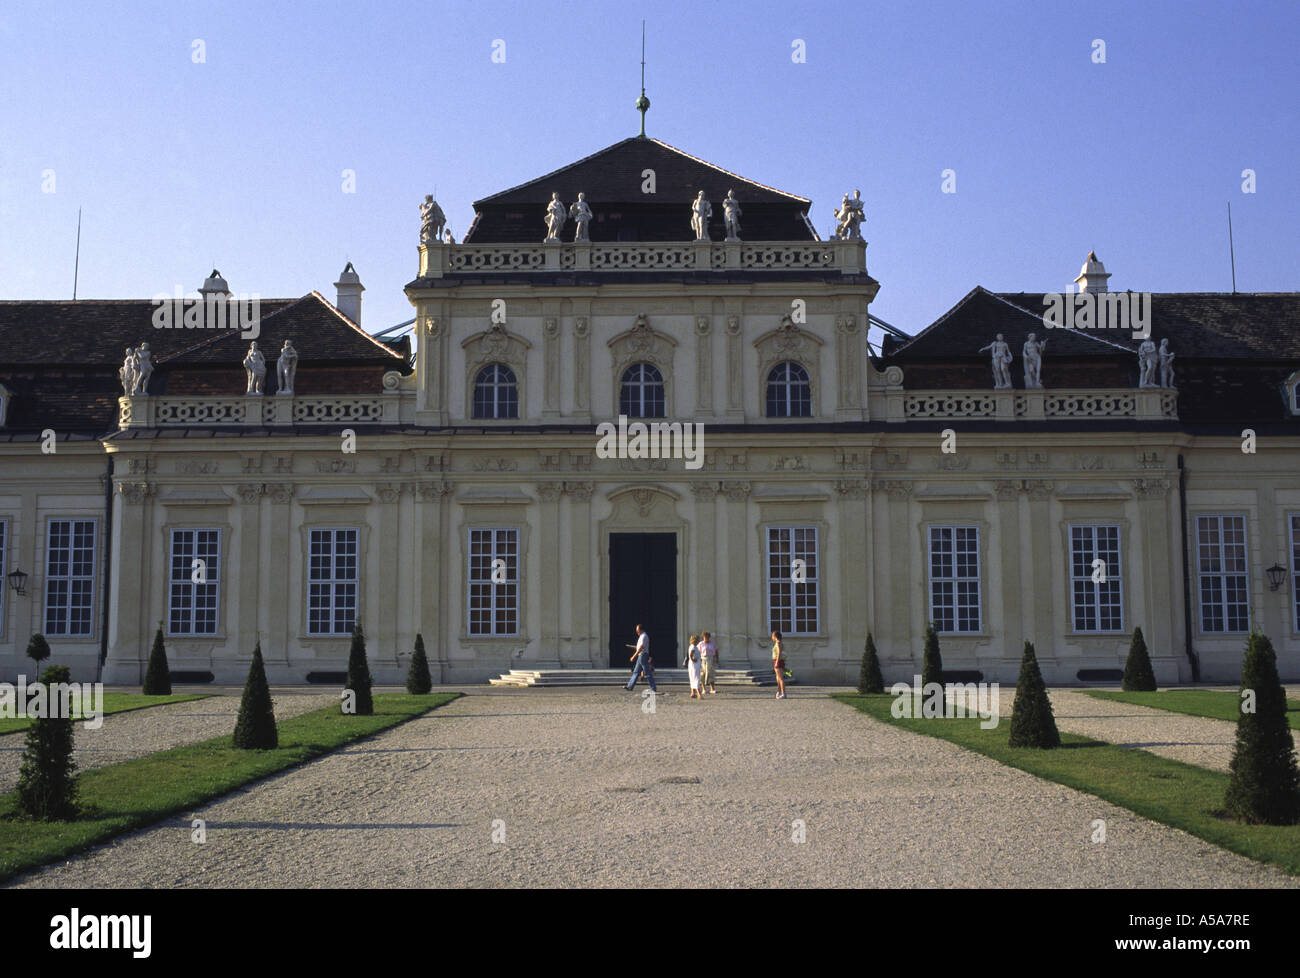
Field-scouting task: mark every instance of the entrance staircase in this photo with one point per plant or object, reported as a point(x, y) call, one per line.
point(619, 677)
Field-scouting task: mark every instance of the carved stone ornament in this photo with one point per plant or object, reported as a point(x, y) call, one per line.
point(551, 326)
point(1038, 489)
point(581, 327)
point(1006, 460)
point(432, 327)
point(249, 492)
point(197, 468)
point(642, 343)
point(495, 344)
point(704, 491)
point(136, 492)
point(896, 488)
point(580, 491)
point(733, 325)
point(1151, 488)
point(703, 325)
point(435, 463)
point(952, 463)
point(495, 465)
point(1006, 490)
point(736, 492)
point(846, 324)
point(789, 463)
point(645, 500)
point(279, 492)
point(894, 376)
point(335, 465)
point(140, 466)
point(853, 488)
point(388, 492)
point(250, 464)
point(286, 368)
point(431, 492)
point(392, 380)
point(549, 492)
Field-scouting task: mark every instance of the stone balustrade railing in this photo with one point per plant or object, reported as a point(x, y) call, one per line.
point(257, 411)
point(846, 257)
point(1143, 404)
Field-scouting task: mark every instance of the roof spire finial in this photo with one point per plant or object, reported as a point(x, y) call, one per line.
point(642, 103)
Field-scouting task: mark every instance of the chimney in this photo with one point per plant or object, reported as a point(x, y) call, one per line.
point(349, 294)
point(214, 285)
point(1092, 277)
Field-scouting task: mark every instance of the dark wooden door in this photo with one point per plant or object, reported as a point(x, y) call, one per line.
point(643, 591)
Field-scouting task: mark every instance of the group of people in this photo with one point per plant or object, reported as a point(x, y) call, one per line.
point(701, 663)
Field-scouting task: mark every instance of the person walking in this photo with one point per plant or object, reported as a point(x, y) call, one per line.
point(778, 664)
point(643, 662)
point(693, 667)
point(708, 663)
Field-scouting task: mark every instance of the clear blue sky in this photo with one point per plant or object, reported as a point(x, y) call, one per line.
point(237, 162)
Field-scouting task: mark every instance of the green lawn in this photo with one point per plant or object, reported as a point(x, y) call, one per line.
point(121, 797)
point(1180, 795)
point(1196, 702)
point(113, 703)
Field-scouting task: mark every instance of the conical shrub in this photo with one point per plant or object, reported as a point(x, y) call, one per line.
point(359, 674)
point(255, 729)
point(38, 650)
point(1263, 783)
point(157, 678)
point(47, 787)
point(869, 678)
point(1138, 675)
point(931, 661)
point(1032, 721)
point(418, 680)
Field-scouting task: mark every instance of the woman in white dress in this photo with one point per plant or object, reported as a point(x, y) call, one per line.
point(693, 667)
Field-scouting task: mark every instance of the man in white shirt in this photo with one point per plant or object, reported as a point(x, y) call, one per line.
point(642, 657)
point(709, 662)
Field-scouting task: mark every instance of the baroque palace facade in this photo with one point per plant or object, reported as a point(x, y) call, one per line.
point(461, 493)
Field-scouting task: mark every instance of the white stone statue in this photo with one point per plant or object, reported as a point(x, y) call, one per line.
point(286, 368)
point(1148, 363)
point(432, 220)
point(1033, 353)
point(1001, 362)
point(731, 213)
point(555, 215)
point(580, 211)
point(255, 370)
point(1166, 364)
point(701, 212)
point(127, 372)
point(849, 217)
point(143, 368)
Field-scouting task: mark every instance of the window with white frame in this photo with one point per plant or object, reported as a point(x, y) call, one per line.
point(793, 606)
point(1221, 572)
point(494, 581)
point(955, 578)
point(496, 392)
point(789, 392)
point(194, 582)
point(69, 577)
point(1095, 579)
point(333, 570)
point(641, 393)
point(1295, 568)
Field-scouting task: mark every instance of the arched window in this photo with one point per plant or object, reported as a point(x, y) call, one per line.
point(496, 394)
point(642, 392)
point(789, 394)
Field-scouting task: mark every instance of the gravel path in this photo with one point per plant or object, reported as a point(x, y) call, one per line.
point(591, 791)
point(1202, 741)
point(139, 732)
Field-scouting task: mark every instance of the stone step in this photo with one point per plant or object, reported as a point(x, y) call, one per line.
point(619, 677)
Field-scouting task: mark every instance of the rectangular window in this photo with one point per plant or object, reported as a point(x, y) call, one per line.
point(1295, 568)
point(1221, 571)
point(69, 577)
point(194, 582)
point(792, 588)
point(1095, 579)
point(494, 582)
point(955, 578)
point(332, 575)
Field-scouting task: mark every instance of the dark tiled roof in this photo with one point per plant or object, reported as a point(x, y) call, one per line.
point(1233, 351)
point(61, 359)
point(612, 180)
